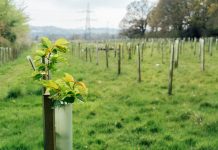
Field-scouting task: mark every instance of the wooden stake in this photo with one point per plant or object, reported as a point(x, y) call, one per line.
point(49, 123)
point(122, 48)
point(162, 52)
point(202, 54)
point(4, 56)
point(177, 51)
point(152, 47)
point(195, 46)
point(129, 51)
point(86, 54)
point(1, 57)
point(48, 117)
point(139, 63)
point(97, 55)
point(115, 51)
point(79, 45)
point(31, 62)
point(181, 46)
point(216, 44)
point(119, 60)
point(170, 85)
point(72, 48)
point(106, 54)
point(90, 55)
point(210, 46)
point(142, 52)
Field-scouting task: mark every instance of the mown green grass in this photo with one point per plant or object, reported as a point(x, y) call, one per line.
point(120, 113)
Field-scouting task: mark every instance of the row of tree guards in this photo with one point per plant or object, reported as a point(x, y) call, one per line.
point(173, 47)
point(58, 122)
point(8, 54)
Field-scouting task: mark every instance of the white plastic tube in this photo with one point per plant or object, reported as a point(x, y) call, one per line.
point(63, 127)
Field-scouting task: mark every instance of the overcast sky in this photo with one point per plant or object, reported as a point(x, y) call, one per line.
point(70, 13)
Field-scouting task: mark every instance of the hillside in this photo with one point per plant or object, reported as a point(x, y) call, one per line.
point(55, 32)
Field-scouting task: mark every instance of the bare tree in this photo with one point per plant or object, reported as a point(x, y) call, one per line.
point(135, 22)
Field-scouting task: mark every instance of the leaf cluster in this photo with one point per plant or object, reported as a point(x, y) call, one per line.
point(64, 90)
point(48, 56)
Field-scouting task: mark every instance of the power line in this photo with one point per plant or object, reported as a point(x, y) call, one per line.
point(87, 19)
point(88, 23)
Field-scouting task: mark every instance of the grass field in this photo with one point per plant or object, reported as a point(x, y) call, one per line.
point(120, 113)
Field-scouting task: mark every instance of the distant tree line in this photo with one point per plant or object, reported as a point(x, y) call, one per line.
point(171, 18)
point(13, 24)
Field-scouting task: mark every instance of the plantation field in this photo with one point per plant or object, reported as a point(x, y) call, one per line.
point(120, 113)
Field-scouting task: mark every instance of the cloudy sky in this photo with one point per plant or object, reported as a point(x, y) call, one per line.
point(71, 13)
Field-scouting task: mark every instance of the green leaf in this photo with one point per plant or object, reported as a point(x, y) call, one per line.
point(45, 42)
point(69, 99)
point(79, 96)
point(55, 50)
point(61, 48)
point(61, 45)
point(56, 103)
point(37, 58)
point(51, 84)
point(41, 67)
point(70, 93)
point(68, 78)
point(37, 76)
point(62, 42)
point(40, 53)
point(54, 58)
